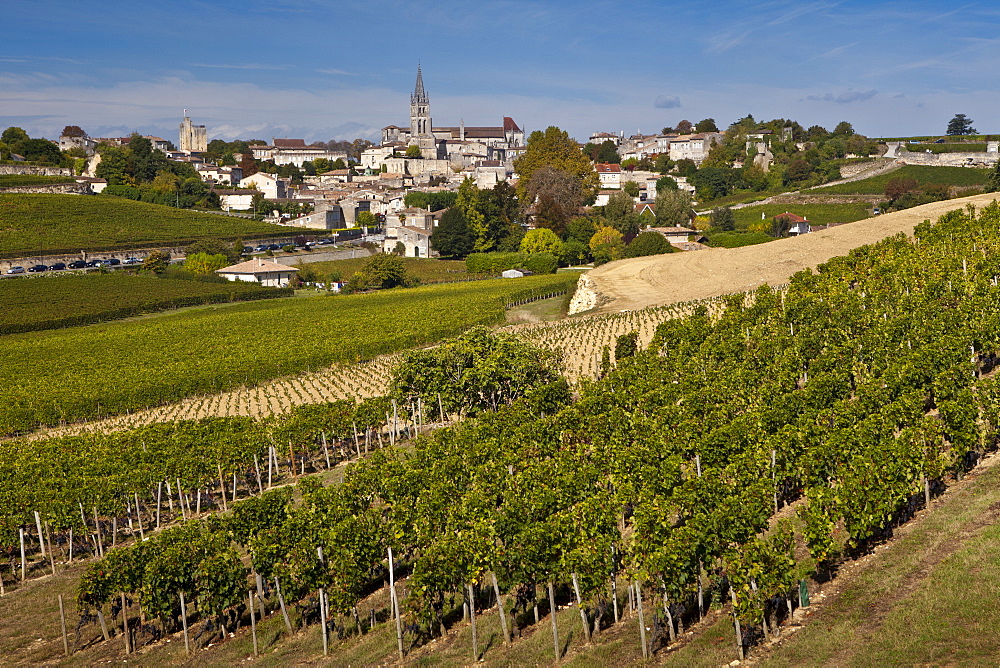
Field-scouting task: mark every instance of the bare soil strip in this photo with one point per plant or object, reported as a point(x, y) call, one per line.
point(679, 277)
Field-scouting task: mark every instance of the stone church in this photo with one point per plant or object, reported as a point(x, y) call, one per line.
point(457, 144)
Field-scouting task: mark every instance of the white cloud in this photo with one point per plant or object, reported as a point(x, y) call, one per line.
point(667, 102)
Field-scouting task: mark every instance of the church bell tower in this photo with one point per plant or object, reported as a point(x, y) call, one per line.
point(420, 115)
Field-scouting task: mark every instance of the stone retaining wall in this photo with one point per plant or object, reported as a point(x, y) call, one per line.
point(35, 170)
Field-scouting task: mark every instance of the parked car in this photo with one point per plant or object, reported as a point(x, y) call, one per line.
point(16, 270)
point(94, 263)
point(260, 249)
point(132, 260)
point(77, 264)
point(247, 250)
point(939, 141)
point(38, 268)
point(58, 266)
point(112, 262)
point(273, 247)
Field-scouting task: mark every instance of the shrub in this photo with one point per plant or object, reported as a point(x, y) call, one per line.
point(541, 263)
point(648, 243)
point(493, 263)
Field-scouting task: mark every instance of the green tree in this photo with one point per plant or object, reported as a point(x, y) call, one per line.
point(648, 243)
point(631, 188)
point(366, 219)
point(580, 229)
point(14, 137)
point(606, 245)
point(673, 208)
point(385, 271)
point(626, 345)
point(204, 264)
point(540, 241)
point(665, 183)
point(723, 219)
point(684, 128)
point(413, 151)
point(156, 262)
point(573, 252)
point(706, 125)
point(556, 150)
point(843, 129)
point(993, 180)
point(40, 150)
point(499, 208)
point(620, 213)
point(608, 152)
point(960, 125)
point(663, 163)
point(452, 237)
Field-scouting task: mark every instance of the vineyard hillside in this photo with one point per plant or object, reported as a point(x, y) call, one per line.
point(681, 277)
point(67, 224)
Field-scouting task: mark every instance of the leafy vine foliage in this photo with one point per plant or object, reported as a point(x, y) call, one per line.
point(849, 389)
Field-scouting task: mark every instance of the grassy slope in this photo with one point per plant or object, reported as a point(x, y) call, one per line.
point(427, 270)
point(48, 302)
point(817, 214)
point(949, 176)
point(71, 223)
point(114, 367)
point(929, 597)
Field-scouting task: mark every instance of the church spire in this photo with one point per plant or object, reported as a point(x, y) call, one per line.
point(419, 94)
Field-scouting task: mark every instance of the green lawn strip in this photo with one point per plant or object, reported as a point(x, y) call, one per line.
point(22, 180)
point(737, 239)
point(426, 269)
point(68, 224)
point(816, 214)
point(927, 597)
point(50, 302)
point(108, 369)
point(947, 148)
point(875, 185)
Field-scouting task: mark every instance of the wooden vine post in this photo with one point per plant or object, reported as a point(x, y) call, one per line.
point(395, 605)
point(62, 623)
point(736, 625)
point(253, 622)
point(642, 620)
point(555, 626)
point(583, 612)
point(501, 610)
point(281, 602)
point(128, 641)
point(472, 617)
point(184, 622)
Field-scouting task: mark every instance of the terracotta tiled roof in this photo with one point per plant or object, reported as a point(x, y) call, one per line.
point(792, 218)
point(608, 168)
point(255, 266)
point(288, 143)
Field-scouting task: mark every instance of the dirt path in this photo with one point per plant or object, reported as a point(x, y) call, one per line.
point(679, 277)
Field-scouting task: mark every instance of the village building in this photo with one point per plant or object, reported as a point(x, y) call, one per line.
point(294, 152)
point(610, 175)
point(447, 143)
point(411, 227)
point(271, 186)
point(258, 270)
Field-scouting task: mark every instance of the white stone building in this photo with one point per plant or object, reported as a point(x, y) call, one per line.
point(258, 270)
point(193, 138)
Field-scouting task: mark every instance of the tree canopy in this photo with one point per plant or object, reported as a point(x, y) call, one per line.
point(540, 241)
point(555, 149)
point(452, 237)
point(960, 125)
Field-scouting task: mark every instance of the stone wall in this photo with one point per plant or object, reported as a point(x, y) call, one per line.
point(54, 189)
point(36, 170)
point(948, 159)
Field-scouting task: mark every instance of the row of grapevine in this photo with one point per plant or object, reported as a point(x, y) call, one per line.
point(859, 388)
point(64, 375)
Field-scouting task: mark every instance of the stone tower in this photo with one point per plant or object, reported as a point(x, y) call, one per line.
point(420, 118)
point(193, 138)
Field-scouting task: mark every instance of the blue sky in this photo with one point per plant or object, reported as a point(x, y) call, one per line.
point(323, 69)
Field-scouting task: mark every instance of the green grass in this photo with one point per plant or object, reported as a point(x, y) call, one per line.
point(85, 372)
point(946, 148)
point(15, 180)
point(949, 176)
point(737, 239)
point(929, 598)
point(817, 214)
point(426, 269)
point(67, 224)
point(50, 302)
